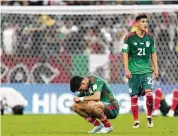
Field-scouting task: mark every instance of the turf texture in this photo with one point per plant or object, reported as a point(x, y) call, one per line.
point(73, 125)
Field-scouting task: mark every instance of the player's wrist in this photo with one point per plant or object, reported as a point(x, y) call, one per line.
point(81, 99)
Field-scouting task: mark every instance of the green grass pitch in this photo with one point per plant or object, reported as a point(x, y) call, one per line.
point(73, 125)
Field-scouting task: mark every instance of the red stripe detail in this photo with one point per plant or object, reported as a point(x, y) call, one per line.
point(111, 100)
point(149, 34)
point(110, 107)
point(130, 34)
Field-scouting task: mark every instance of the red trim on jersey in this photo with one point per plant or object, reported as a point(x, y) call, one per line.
point(110, 107)
point(149, 34)
point(130, 34)
point(112, 100)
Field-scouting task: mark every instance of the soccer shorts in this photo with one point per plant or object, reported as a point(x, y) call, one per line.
point(110, 110)
point(139, 83)
point(164, 108)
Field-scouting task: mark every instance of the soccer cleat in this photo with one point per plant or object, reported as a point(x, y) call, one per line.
point(170, 113)
point(156, 113)
point(137, 124)
point(96, 129)
point(149, 122)
point(105, 130)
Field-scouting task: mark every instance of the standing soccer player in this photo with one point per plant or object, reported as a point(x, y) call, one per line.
point(95, 102)
point(137, 49)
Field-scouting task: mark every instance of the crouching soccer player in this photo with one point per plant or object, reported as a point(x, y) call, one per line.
point(12, 99)
point(95, 102)
point(161, 106)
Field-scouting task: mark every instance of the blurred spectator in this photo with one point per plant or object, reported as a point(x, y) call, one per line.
point(82, 2)
point(11, 98)
point(14, 2)
point(93, 44)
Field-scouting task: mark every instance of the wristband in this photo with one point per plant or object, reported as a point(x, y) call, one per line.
point(81, 99)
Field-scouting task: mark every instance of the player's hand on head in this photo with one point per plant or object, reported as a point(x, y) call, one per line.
point(77, 99)
point(128, 74)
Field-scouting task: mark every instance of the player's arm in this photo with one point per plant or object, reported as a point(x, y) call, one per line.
point(95, 97)
point(155, 64)
point(154, 59)
point(97, 88)
point(125, 51)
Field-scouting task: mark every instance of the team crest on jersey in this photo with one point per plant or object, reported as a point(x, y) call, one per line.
point(147, 44)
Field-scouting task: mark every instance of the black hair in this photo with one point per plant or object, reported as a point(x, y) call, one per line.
point(75, 83)
point(140, 17)
point(18, 110)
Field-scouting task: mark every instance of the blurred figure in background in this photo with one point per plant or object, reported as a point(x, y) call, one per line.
point(161, 106)
point(10, 98)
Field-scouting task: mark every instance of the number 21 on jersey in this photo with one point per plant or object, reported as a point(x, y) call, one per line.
point(141, 51)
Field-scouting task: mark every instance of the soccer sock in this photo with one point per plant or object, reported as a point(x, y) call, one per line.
point(134, 107)
point(105, 121)
point(149, 103)
point(158, 95)
point(175, 100)
point(93, 121)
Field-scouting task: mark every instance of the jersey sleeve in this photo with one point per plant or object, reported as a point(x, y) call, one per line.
point(97, 87)
point(153, 47)
point(80, 94)
point(125, 47)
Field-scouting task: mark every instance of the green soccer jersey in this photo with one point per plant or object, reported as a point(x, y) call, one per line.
point(139, 51)
point(97, 84)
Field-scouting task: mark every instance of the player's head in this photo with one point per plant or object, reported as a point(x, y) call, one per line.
point(141, 22)
point(78, 83)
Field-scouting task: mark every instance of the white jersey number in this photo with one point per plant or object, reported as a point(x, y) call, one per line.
point(149, 80)
point(141, 51)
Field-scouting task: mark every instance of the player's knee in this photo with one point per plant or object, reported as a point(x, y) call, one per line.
point(175, 93)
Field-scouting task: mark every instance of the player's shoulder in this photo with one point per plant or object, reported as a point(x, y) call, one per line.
point(92, 79)
point(95, 79)
point(129, 35)
point(150, 34)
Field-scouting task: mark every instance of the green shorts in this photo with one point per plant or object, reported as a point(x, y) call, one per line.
point(139, 83)
point(110, 110)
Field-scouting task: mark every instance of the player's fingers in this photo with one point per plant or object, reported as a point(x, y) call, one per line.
point(156, 75)
point(128, 76)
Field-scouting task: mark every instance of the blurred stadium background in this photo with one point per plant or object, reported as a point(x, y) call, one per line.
point(44, 43)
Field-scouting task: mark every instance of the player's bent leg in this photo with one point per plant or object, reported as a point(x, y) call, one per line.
point(134, 109)
point(79, 109)
point(98, 112)
point(149, 105)
point(174, 104)
point(82, 109)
